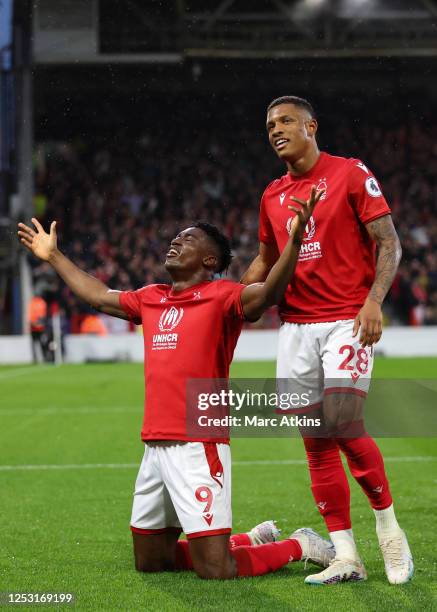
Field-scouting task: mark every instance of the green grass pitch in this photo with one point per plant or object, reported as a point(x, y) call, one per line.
point(64, 524)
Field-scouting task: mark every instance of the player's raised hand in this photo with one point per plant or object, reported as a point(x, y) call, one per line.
point(305, 210)
point(38, 241)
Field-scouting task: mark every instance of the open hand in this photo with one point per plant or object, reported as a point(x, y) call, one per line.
point(305, 211)
point(38, 242)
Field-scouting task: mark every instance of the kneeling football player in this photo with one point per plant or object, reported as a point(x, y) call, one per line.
point(190, 330)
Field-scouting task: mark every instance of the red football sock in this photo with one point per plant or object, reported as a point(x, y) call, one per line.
point(266, 558)
point(367, 467)
point(183, 558)
point(239, 539)
point(329, 482)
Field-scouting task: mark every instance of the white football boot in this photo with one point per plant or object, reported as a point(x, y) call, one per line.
point(315, 549)
point(339, 570)
point(264, 533)
point(397, 556)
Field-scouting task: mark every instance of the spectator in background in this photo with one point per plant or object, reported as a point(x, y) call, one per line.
point(37, 318)
point(431, 310)
point(93, 324)
point(128, 193)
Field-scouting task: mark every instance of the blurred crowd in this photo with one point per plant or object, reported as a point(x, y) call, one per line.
point(119, 201)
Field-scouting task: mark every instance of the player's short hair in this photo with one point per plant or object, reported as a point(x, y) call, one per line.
point(300, 102)
point(221, 241)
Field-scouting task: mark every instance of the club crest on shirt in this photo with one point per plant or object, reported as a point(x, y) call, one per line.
point(322, 184)
point(170, 318)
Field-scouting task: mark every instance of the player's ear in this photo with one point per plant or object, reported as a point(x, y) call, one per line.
point(210, 261)
point(312, 126)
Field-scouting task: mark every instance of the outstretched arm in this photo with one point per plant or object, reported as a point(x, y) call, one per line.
point(258, 297)
point(86, 287)
point(369, 319)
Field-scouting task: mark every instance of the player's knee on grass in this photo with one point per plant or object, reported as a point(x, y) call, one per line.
point(154, 553)
point(211, 570)
point(143, 564)
point(212, 559)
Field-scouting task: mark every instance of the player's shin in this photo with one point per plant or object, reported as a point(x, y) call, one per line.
point(367, 467)
point(259, 560)
point(329, 483)
point(331, 493)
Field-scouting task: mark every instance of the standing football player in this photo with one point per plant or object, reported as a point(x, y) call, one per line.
point(190, 330)
point(336, 292)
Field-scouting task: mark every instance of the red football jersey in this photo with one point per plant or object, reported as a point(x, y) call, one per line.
point(188, 334)
point(336, 265)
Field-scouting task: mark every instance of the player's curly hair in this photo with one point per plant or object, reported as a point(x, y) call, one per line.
point(221, 241)
point(300, 102)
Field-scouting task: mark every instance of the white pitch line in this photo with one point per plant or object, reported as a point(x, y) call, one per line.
point(68, 466)
point(13, 373)
point(54, 410)
point(122, 466)
point(412, 459)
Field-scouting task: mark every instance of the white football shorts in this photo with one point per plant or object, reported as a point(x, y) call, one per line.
point(184, 486)
point(315, 359)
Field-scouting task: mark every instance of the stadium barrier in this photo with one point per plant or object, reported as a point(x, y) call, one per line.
point(254, 345)
point(15, 349)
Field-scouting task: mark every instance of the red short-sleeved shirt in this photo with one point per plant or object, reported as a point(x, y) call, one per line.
point(336, 266)
point(187, 334)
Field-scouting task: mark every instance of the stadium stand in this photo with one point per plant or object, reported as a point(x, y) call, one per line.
point(119, 201)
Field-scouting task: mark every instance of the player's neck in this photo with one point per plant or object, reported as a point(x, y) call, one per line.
point(305, 163)
point(180, 284)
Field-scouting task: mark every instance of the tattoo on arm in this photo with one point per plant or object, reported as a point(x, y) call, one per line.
point(382, 231)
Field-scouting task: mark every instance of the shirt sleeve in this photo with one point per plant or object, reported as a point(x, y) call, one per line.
point(232, 305)
point(265, 231)
point(130, 301)
point(364, 193)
